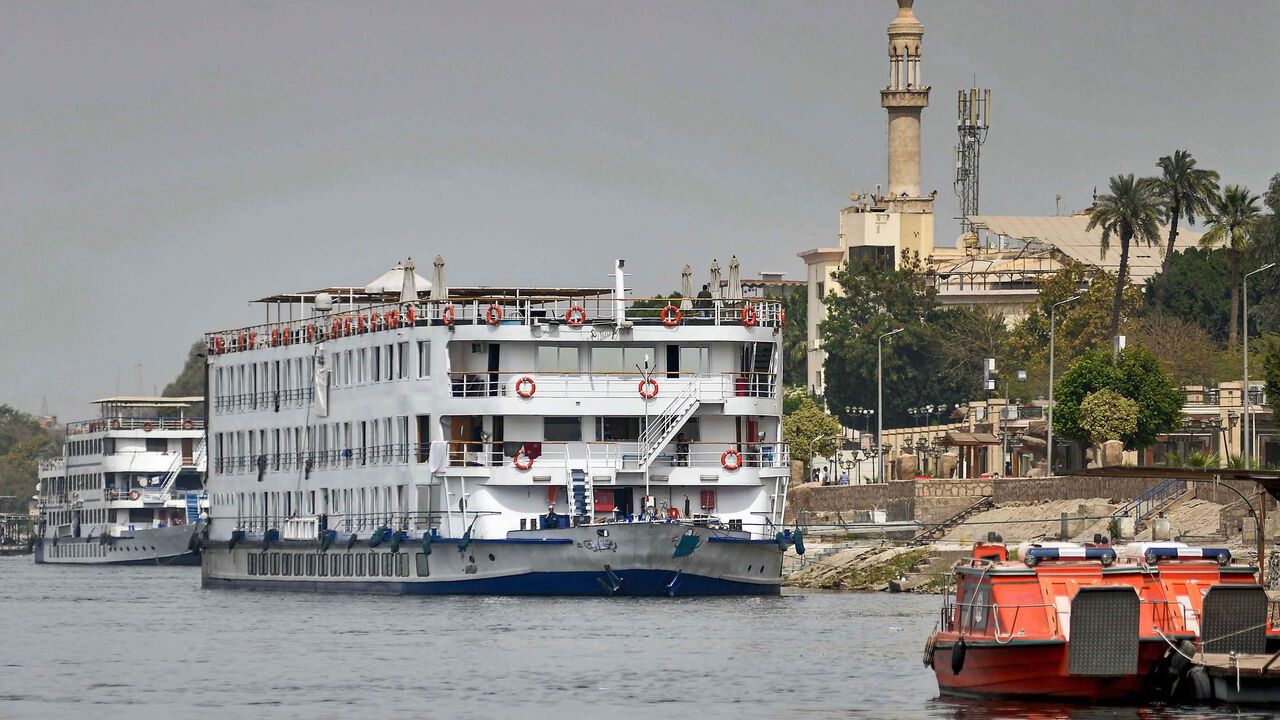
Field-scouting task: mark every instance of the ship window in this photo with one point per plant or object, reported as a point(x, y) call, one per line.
point(424, 358)
point(275, 563)
point(420, 559)
point(373, 564)
point(402, 564)
point(346, 564)
point(620, 359)
point(557, 359)
point(388, 564)
point(157, 445)
point(377, 363)
point(402, 360)
point(562, 429)
point(322, 566)
point(286, 564)
point(359, 564)
point(695, 360)
point(335, 565)
point(618, 428)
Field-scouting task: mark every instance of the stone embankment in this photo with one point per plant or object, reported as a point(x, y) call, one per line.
point(834, 562)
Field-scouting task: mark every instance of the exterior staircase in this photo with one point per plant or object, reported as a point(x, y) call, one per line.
point(1156, 499)
point(662, 428)
point(171, 477)
point(936, 532)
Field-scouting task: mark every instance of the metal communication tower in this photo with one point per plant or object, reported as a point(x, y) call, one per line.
point(973, 107)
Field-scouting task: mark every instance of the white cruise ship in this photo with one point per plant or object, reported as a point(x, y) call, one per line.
point(128, 489)
point(497, 441)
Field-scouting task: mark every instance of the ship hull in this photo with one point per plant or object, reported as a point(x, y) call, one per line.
point(1037, 670)
point(156, 546)
point(631, 560)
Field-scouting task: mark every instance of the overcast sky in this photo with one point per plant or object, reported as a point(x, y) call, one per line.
point(164, 163)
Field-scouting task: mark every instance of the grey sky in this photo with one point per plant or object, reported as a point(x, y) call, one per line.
point(166, 162)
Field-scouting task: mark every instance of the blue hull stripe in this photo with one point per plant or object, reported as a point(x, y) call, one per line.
point(635, 583)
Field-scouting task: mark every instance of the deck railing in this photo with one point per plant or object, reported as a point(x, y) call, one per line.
point(542, 311)
point(576, 385)
point(148, 424)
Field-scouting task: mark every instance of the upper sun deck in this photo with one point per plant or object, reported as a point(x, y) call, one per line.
point(141, 413)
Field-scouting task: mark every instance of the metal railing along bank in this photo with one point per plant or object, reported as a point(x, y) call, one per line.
point(543, 311)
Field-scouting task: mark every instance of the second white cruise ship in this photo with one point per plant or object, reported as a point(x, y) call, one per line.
point(498, 441)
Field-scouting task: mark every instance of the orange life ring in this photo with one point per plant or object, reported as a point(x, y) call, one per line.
point(311, 333)
point(134, 494)
point(284, 336)
point(240, 344)
point(520, 390)
point(187, 424)
point(782, 317)
point(253, 338)
point(648, 388)
point(447, 315)
point(493, 314)
point(146, 426)
point(393, 318)
point(528, 462)
point(667, 319)
point(737, 459)
point(673, 513)
point(749, 315)
point(220, 344)
point(275, 338)
point(410, 314)
point(115, 424)
point(581, 315)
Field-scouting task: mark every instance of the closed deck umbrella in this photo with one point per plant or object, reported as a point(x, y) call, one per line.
point(409, 289)
point(735, 279)
point(715, 278)
point(439, 291)
point(686, 288)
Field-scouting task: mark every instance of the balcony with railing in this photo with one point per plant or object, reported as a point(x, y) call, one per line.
point(505, 311)
point(624, 385)
point(270, 400)
point(620, 455)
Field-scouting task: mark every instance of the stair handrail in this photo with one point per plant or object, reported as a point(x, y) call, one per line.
point(171, 477)
point(1162, 493)
point(660, 429)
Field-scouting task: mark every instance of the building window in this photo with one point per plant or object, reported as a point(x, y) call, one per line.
point(874, 255)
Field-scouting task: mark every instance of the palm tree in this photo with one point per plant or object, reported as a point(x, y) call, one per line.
point(1232, 218)
point(1130, 211)
point(1184, 191)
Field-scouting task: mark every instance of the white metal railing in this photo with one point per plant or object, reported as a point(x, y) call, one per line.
point(179, 462)
point(148, 424)
point(660, 430)
point(580, 385)
point(564, 311)
point(628, 455)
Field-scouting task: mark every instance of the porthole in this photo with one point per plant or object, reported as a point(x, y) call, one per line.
point(749, 568)
point(491, 557)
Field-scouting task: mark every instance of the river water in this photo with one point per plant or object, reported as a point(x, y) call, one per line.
point(80, 642)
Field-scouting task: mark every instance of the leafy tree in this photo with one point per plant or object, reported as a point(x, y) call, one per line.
point(1137, 375)
point(23, 444)
point(1130, 211)
point(1271, 372)
point(1264, 247)
point(1186, 349)
point(806, 423)
point(1107, 415)
point(190, 381)
point(652, 307)
point(1184, 191)
point(1198, 290)
point(935, 360)
point(795, 340)
point(1234, 215)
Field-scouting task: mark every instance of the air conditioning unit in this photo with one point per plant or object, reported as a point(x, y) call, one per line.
point(479, 348)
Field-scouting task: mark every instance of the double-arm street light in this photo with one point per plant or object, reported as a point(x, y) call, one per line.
point(1049, 435)
point(880, 394)
point(1246, 441)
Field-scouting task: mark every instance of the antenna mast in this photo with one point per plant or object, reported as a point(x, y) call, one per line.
point(973, 108)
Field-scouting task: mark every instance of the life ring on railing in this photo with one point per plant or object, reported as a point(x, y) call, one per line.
point(493, 314)
point(520, 390)
point(146, 426)
point(311, 332)
point(284, 336)
point(187, 424)
point(673, 513)
point(782, 317)
point(253, 338)
point(581, 315)
point(528, 462)
point(220, 345)
point(749, 315)
point(115, 424)
point(393, 318)
point(134, 494)
point(737, 459)
point(648, 388)
point(668, 319)
point(275, 338)
point(447, 316)
point(240, 344)
point(409, 313)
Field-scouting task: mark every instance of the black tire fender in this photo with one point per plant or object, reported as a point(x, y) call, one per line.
point(930, 647)
point(957, 656)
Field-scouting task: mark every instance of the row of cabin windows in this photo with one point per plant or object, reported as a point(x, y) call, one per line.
point(350, 509)
point(254, 385)
point(380, 363)
point(345, 444)
point(71, 483)
point(84, 447)
point(93, 549)
point(622, 358)
point(622, 429)
point(334, 564)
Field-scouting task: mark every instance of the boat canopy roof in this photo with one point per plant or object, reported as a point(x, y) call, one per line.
point(360, 296)
point(143, 401)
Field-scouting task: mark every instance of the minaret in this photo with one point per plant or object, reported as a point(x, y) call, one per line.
point(904, 98)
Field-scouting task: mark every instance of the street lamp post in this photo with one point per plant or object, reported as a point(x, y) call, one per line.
point(1246, 441)
point(1049, 436)
point(880, 395)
